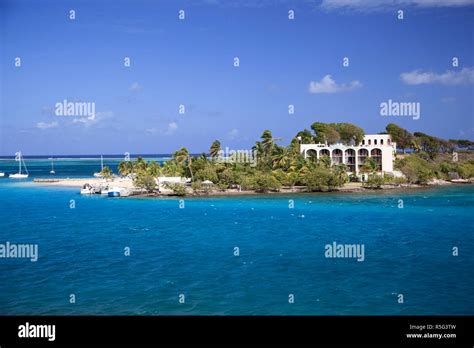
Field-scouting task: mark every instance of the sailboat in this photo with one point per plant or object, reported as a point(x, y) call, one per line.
point(52, 167)
point(19, 175)
point(99, 175)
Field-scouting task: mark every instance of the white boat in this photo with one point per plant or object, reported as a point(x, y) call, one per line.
point(19, 175)
point(104, 190)
point(52, 167)
point(87, 190)
point(115, 192)
point(99, 175)
point(2, 175)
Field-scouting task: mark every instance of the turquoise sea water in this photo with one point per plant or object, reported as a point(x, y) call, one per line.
point(190, 251)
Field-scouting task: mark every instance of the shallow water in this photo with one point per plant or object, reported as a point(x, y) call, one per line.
point(190, 251)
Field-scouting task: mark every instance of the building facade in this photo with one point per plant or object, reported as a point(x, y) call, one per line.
point(379, 146)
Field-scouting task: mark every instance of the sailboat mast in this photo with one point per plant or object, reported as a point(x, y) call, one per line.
point(101, 162)
point(26, 169)
point(19, 162)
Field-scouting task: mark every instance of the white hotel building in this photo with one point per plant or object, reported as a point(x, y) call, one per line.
point(379, 146)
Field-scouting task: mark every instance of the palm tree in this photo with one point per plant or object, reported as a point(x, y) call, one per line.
point(325, 161)
point(153, 168)
point(340, 171)
point(215, 149)
point(370, 166)
point(125, 168)
point(259, 152)
point(183, 157)
point(280, 158)
point(305, 137)
point(140, 164)
point(203, 157)
point(106, 173)
point(267, 141)
point(171, 168)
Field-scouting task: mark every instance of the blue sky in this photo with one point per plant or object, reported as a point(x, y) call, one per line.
point(190, 62)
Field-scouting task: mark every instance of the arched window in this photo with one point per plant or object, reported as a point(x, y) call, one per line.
point(336, 156)
point(381, 141)
point(312, 154)
point(325, 156)
point(376, 154)
point(350, 159)
point(362, 156)
point(370, 142)
point(375, 141)
point(324, 152)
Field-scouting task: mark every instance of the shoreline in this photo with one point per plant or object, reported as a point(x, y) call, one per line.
point(352, 187)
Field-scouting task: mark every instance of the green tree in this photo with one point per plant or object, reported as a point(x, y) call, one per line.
point(267, 141)
point(429, 144)
point(401, 136)
point(178, 189)
point(106, 173)
point(207, 173)
point(369, 166)
point(125, 168)
point(139, 164)
point(264, 182)
point(215, 149)
point(325, 132)
point(317, 179)
point(184, 159)
point(305, 136)
point(171, 168)
point(154, 168)
point(280, 158)
point(325, 161)
point(374, 181)
point(145, 180)
point(349, 133)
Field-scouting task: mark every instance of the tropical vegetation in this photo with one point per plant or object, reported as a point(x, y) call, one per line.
point(278, 166)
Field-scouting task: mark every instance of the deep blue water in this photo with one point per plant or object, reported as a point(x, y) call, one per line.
point(190, 251)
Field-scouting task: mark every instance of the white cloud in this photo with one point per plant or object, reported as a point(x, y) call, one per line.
point(45, 125)
point(152, 130)
point(94, 119)
point(381, 5)
point(170, 129)
point(135, 87)
point(328, 85)
point(233, 134)
point(418, 77)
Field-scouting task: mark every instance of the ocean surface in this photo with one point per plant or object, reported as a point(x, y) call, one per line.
point(191, 251)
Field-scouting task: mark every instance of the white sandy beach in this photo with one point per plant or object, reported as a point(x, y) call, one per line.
point(79, 182)
point(128, 184)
